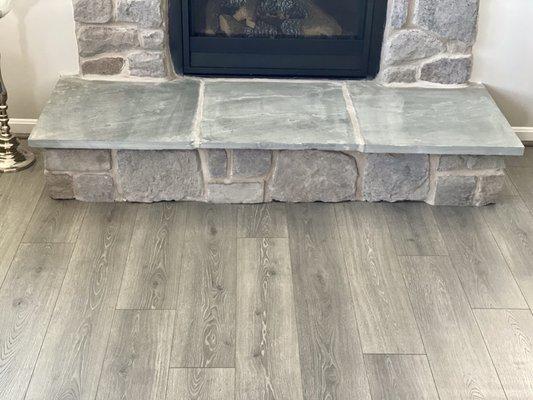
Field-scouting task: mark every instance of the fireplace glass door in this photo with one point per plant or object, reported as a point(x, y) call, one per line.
point(281, 37)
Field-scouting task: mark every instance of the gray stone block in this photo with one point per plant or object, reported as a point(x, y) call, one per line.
point(454, 191)
point(396, 177)
point(399, 75)
point(94, 188)
point(146, 13)
point(147, 64)
point(251, 163)
point(59, 186)
point(148, 176)
point(411, 45)
point(93, 11)
point(152, 39)
point(217, 163)
point(103, 66)
point(245, 192)
point(489, 189)
point(97, 39)
point(450, 19)
point(311, 175)
point(453, 163)
point(399, 12)
point(77, 160)
point(447, 70)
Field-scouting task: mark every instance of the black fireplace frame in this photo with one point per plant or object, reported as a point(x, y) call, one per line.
point(293, 57)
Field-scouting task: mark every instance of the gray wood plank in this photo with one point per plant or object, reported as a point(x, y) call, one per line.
point(201, 384)
point(400, 377)
point(511, 224)
point(74, 347)
point(483, 272)
point(414, 230)
point(461, 365)
point(509, 338)
point(262, 220)
point(330, 348)
point(27, 300)
point(522, 179)
point(138, 355)
point(386, 320)
point(205, 323)
point(267, 363)
point(151, 278)
point(55, 221)
point(20, 194)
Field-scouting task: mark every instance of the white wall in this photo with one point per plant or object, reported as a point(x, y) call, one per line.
point(37, 44)
point(503, 56)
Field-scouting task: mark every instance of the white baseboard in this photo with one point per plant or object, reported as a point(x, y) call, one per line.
point(22, 127)
point(525, 133)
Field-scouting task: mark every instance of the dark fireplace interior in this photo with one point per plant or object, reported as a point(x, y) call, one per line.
point(324, 38)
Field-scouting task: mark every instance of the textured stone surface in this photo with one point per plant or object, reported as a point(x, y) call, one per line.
point(122, 115)
point(93, 11)
point(147, 63)
point(396, 177)
point(77, 160)
point(103, 66)
point(399, 74)
point(454, 191)
point(447, 70)
point(399, 12)
point(217, 163)
point(251, 163)
point(97, 39)
point(59, 186)
point(147, 176)
point(146, 13)
point(152, 39)
point(410, 45)
point(451, 19)
point(248, 192)
point(489, 189)
point(308, 176)
point(94, 188)
point(451, 163)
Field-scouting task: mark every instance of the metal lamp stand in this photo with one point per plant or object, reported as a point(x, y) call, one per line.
point(12, 158)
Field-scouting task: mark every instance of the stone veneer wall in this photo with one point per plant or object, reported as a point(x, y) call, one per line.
point(256, 176)
point(425, 40)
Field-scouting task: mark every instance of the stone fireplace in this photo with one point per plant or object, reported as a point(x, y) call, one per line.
point(406, 40)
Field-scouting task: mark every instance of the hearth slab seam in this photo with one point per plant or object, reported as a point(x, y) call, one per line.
point(352, 113)
point(197, 127)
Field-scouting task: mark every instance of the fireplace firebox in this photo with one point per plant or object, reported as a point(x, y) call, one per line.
point(325, 38)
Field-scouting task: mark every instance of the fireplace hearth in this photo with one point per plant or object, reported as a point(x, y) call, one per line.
point(277, 37)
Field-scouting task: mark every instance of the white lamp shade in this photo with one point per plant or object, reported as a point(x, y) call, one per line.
point(5, 7)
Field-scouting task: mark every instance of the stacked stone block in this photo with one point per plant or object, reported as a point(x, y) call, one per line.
point(256, 176)
point(126, 38)
point(429, 41)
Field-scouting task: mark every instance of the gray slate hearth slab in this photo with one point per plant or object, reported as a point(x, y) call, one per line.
point(431, 121)
point(276, 114)
point(87, 114)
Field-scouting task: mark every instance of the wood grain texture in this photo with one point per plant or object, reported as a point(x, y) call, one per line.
point(330, 348)
point(138, 355)
point(151, 278)
point(522, 179)
point(267, 364)
point(55, 221)
point(483, 272)
point(511, 224)
point(413, 229)
point(205, 323)
point(27, 300)
point(400, 377)
point(69, 364)
point(386, 320)
point(201, 384)
point(461, 365)
point(509, 338)
point(262, 220)
point(20, 193)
